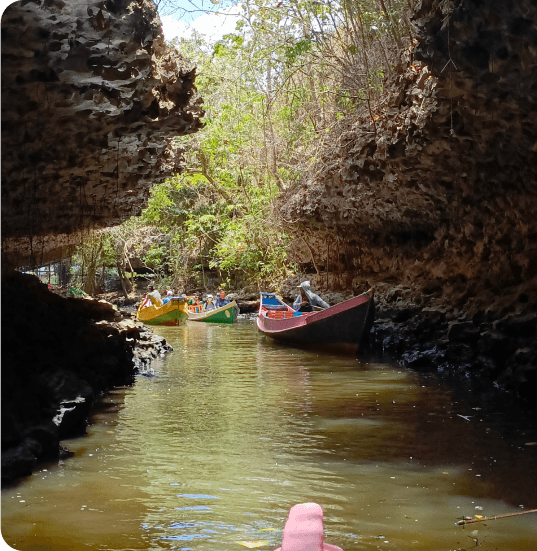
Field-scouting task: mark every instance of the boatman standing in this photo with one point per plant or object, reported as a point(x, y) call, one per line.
point(306, 300)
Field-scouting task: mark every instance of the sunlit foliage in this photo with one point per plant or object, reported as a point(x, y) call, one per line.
point(276, 92)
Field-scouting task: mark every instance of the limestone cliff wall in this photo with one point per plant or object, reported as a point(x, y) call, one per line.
point(440, 192)
point(92, 99)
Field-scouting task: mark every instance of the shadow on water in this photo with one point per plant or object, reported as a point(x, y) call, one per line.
point(232, 430)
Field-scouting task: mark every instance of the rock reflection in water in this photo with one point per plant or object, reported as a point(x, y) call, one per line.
point(233, 430)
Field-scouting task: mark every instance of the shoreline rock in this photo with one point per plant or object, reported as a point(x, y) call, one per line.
point(78, 350)
point(501, 353)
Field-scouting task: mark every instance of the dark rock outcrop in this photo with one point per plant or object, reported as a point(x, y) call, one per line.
point(58, 356)
point(92, 100)
point(505, 357)
point(441, 189)
point(435, 199)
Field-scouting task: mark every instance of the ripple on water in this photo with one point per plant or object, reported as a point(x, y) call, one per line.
point(233, 430)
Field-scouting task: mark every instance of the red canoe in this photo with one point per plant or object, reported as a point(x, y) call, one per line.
point(342, 326)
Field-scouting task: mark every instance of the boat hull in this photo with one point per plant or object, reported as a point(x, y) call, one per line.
point(172, 313)
point(341, 326)
point(225, 314)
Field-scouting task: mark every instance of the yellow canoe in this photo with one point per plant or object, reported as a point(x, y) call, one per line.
point(174, 312)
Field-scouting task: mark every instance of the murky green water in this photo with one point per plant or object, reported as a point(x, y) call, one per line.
point(232, 431)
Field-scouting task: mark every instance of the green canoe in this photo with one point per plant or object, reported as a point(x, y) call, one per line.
point(225, 314)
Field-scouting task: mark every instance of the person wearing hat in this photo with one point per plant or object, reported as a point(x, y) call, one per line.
point(306, 300)
point(222, 300)
point(209, 304)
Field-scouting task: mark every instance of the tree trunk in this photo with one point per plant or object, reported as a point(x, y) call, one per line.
point(125, 283)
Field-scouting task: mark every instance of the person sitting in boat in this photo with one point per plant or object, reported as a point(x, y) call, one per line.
point(209, 304)
point(152, 298)
point(194, 304)
point(222, 300)
point(169, 296)
point(306, 300)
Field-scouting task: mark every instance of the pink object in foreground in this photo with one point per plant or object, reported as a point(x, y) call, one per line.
point(304, 530)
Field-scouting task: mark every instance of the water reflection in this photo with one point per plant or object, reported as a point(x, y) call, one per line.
point(233, 430)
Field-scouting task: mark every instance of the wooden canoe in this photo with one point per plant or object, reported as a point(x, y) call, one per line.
point(174, 312)
point(224, 314)
point(342, 326)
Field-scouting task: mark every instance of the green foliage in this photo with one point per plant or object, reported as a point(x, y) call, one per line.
point(90, 262)
point(155, 257)
point(299, 48)
point(231, 235)
point(250, 246)
point(277, 93)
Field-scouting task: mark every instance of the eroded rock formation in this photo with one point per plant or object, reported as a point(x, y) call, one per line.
point(92, 100)
point(58, 356)
point(433, 200)
point(440, 191)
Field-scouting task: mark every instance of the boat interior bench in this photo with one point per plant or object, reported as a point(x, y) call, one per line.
point(275, 309)
point(283, 314)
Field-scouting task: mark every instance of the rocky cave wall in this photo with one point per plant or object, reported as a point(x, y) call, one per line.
point(439, 193)
point(59, 356)
point(92, 100)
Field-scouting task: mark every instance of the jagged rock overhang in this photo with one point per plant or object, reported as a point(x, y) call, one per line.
point(452, 156)
point(92, 100)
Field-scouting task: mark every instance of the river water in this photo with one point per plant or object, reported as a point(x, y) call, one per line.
point(211, 451)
